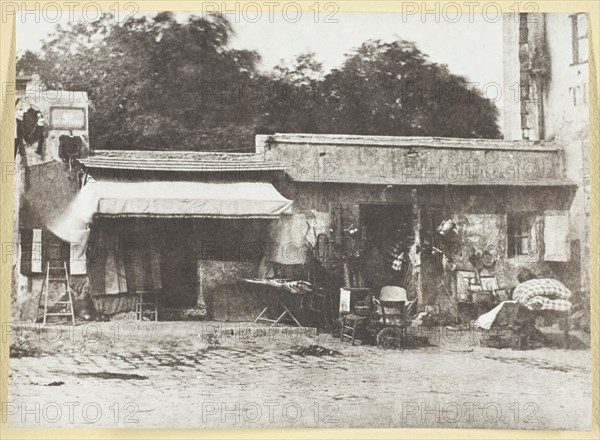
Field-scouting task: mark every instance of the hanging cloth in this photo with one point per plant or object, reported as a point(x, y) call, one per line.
point(115, 281)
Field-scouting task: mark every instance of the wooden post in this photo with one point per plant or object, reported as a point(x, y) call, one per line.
point(196, 241)
point(416, 214)
point(566, 337)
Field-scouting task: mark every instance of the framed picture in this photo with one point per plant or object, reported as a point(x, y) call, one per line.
point(463, 281)
point(489, 283)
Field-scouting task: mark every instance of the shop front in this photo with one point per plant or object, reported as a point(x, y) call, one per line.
point(441, 218)
point(184, 245)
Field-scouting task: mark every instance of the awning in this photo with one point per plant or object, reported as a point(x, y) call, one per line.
point(171, 200)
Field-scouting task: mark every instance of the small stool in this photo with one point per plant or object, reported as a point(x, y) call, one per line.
point(350, 324)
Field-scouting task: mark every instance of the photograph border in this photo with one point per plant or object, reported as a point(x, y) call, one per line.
point(7, 77)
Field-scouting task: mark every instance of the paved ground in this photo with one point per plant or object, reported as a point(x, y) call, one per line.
point(192, 374)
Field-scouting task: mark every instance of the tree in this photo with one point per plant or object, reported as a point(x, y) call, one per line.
point(291, 104)
point(392, 89)
point(156, 83)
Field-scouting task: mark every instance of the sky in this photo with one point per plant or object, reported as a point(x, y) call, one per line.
point(471, 45)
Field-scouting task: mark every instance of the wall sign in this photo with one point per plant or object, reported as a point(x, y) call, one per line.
point(68, 118)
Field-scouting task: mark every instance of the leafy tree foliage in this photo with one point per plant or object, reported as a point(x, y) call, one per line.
point(392, 89)
point(156, 83)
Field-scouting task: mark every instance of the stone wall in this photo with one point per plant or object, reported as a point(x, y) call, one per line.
point(414, 161)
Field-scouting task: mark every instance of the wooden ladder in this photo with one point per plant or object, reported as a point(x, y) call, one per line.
point(57, 276)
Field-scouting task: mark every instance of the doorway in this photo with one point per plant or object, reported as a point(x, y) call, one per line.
point(178, 265)
point(387, 235)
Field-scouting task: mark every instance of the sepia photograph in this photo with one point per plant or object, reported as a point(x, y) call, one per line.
point(297, 216)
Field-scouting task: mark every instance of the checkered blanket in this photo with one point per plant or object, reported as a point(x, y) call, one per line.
point(543, 294)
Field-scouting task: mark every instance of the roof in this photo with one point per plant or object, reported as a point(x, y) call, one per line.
point(413, 141)
point(198, 161)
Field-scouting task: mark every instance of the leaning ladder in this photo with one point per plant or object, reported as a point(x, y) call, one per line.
point(57, 276)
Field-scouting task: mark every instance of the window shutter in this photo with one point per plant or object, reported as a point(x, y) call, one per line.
point(36, 252)
point(26, 238)
point(32, 258)
point(556, 236)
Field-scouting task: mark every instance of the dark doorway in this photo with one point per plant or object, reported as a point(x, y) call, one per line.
point(178, 265)
point(387, 235)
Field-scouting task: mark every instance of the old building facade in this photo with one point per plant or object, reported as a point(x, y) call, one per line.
point(444, 208)
point(508, 201)
point(546, 84)
point(51, 132)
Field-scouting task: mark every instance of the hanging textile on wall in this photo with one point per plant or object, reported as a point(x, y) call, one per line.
point(317, 223)
point(288, 236)
point(77, 251)
point(115, 281)
point(106, 267)
point(143, 260)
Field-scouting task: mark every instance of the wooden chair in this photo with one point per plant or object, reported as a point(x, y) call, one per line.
point(392, 312)
point(350, 325)
point(147, 305)
point(391, 328)
point(391, 302)
point(351, 319)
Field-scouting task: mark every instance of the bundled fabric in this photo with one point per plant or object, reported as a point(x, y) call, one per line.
point(543, 294)
point(69, 146)
point(536, 295)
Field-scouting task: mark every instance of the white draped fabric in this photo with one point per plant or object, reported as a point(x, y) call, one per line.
point(170, 200)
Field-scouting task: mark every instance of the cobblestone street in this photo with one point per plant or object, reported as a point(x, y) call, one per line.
point(173, 374)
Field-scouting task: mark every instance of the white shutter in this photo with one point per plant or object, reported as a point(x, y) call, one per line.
point(36, 251)
point(345, 300)
point(556, 236)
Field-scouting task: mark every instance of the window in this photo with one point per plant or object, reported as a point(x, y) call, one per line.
point(522, 234)
point(579, 28)
point(579, 94)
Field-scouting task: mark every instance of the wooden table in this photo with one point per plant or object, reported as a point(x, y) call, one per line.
point(280, 292)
